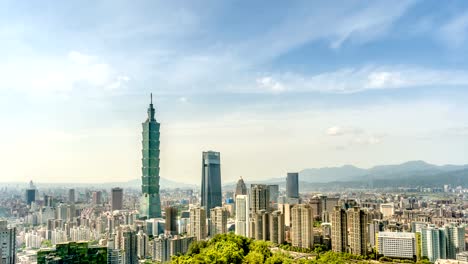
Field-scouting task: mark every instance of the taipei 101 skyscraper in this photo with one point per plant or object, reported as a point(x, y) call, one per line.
point(150, 203)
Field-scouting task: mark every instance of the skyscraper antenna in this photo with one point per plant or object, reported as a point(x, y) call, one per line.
point(151, 95)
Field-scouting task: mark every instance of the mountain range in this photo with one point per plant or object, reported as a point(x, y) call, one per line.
point(348, 173)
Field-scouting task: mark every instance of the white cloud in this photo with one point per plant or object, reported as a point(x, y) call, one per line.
point(269, 84)
point(353, 80)
point(183, 99)
point(60, 74)
point(340, 131)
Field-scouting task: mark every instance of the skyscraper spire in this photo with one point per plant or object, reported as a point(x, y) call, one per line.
point(151, 110)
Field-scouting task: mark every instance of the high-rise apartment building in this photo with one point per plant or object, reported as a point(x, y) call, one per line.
point(242, 215)
point(161, 249)
point(357, 220)
point(292, 185)
point(129, 246)
point(142, 244)
point(259, 226)
point(241, 188)
point(277, 232)
point(375, 226)
point(150, 203)
point(171, 220)
point(218, 221)
point(259, 197)
point(7, 243)
point(316, 207)
point(198, 223)
point(339, 229)
point(302, 225)
point(117, 198)
point(211, 195)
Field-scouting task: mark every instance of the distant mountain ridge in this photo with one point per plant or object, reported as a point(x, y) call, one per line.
point(352, 173)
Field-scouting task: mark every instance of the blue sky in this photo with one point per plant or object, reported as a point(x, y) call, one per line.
point(274, 86)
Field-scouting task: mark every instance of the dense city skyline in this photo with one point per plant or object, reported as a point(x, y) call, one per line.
point(274, 86)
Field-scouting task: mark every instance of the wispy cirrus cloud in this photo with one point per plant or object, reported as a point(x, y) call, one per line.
point(353, 80)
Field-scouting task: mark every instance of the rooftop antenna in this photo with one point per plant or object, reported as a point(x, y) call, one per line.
point(151, 94)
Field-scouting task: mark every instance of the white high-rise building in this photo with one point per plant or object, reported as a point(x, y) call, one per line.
point(242, 215)
point(396, 244)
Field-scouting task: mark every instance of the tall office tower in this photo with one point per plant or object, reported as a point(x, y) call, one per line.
point(198, 223)
point(259, 197)
point(161, 249)
point(241, 188)
point(71, 196)
point(7, 243)
point(259, 227)
point(97, 197)
point(150, 203)
point(129, 246)
point(433, 243)
point(274, 193)
point(211, 195)
point(339, 222)
point(397, 244)
point(302, 224)
point(455, 240)
point(292, 185)
point(171, 220)
point(357, 219)
point(117, 198)
point(142, 245)
point(218, 223)
point(242, 215)
point(277, 234)
point(30, 193)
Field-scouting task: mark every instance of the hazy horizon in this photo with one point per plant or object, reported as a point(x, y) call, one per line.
point(274, 87)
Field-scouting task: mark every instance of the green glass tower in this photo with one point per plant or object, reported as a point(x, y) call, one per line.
point(150, 201)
